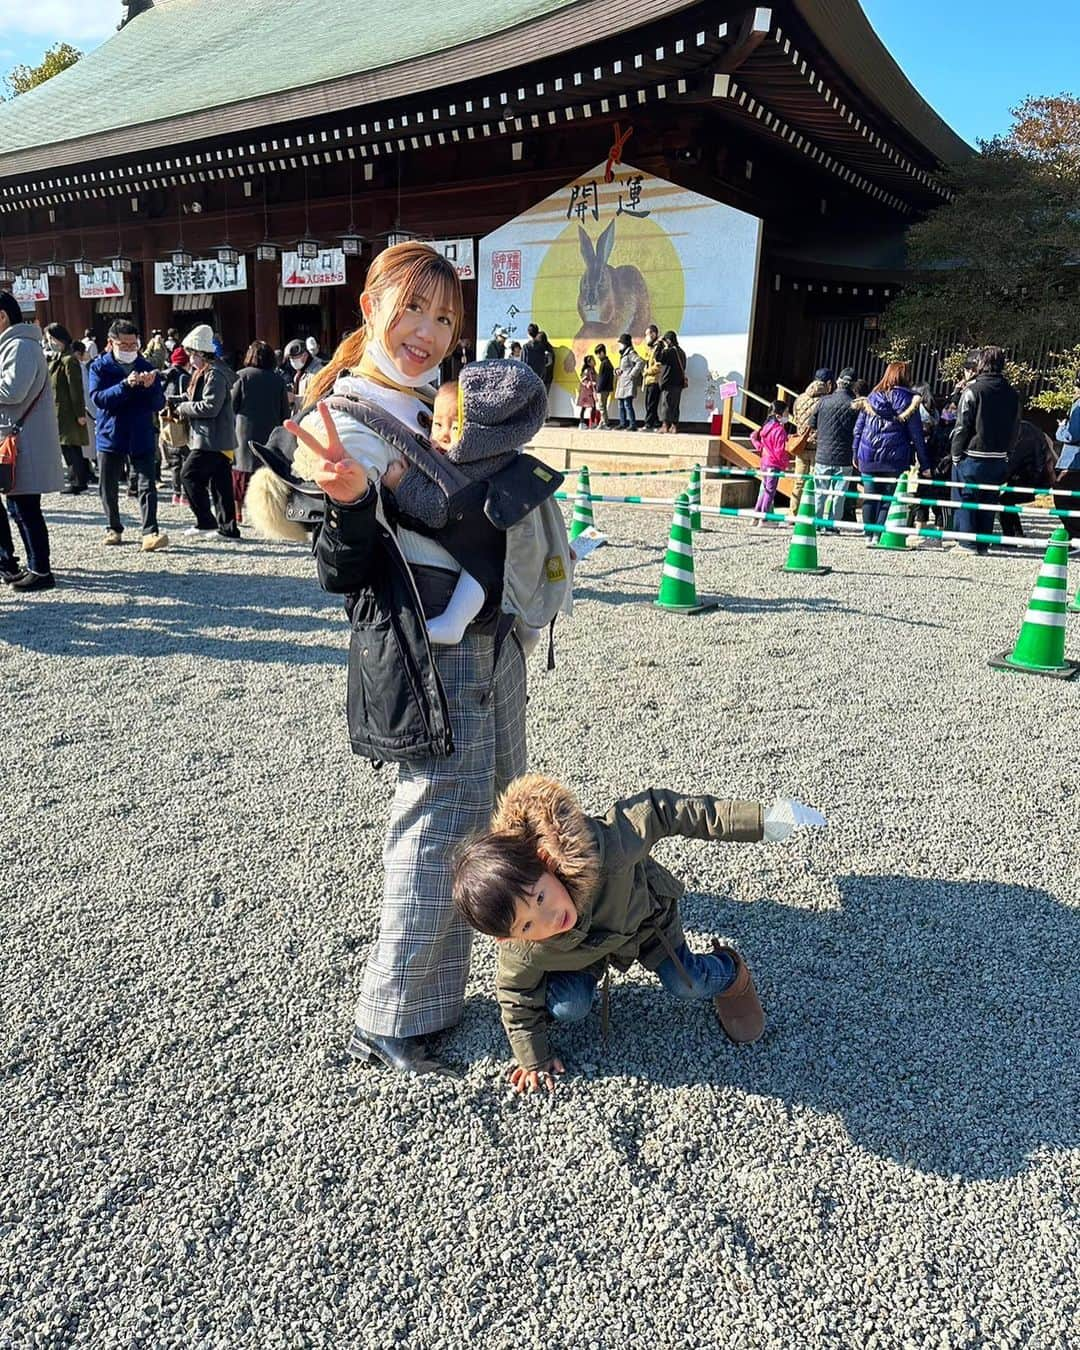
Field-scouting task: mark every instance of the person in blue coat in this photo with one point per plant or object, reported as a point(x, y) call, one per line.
point(126, 392)
point(888, 438)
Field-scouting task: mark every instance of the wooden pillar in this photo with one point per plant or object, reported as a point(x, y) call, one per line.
point(264, 282)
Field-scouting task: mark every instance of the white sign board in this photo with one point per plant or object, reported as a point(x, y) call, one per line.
point(101, 284)
point(328, 269)
point(30, 292)
point(600, 258)
point(461, 252)
point(205, 276)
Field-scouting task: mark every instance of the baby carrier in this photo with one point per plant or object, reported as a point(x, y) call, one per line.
point(532, 575)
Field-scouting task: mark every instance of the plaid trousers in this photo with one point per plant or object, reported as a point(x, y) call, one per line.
point(414, 979)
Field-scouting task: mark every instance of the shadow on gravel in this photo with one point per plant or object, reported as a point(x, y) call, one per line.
point(937, 1019)
point(183, 614)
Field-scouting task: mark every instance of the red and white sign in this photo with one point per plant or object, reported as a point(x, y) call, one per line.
point(506, 269)
point(102, 284)
point(328, 269)
point(30, 292)
point(461, 252)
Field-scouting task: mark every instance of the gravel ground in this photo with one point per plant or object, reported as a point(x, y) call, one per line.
point(190, 883)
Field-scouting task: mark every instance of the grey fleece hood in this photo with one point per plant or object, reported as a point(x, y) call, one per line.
point(502, 405)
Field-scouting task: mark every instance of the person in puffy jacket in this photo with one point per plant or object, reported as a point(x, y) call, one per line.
point(1066, 475)
point(770, 441)
point(888, 438)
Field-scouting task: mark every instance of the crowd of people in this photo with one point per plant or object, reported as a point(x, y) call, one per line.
point(656, 371)
point(134, 417)
point(974, 452)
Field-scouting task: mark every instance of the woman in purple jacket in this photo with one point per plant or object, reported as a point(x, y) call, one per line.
point(888, 436)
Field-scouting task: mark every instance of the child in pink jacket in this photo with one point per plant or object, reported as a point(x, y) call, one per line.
point(771, 444)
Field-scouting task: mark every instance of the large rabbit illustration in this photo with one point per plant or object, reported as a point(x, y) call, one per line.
point(611, 300)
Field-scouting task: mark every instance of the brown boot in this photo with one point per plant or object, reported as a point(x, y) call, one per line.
point(738, 1007)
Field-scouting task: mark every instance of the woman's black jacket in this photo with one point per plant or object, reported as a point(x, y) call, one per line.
point(396, 705)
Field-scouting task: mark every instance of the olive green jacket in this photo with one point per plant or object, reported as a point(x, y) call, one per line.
point(627, 904)
point(69, 395)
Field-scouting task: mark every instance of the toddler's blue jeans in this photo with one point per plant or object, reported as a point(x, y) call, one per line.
point(570, 992)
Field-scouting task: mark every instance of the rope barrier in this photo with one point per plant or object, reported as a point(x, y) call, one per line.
point(1041, 491)
point(904, 498)
point(843, 526)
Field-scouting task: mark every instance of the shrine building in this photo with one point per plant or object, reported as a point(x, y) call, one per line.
point(741, 174)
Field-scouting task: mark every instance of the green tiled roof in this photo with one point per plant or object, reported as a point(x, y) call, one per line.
point(185, 56)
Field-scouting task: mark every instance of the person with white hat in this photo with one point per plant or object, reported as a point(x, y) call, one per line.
point(302, 362)
point(207, 409)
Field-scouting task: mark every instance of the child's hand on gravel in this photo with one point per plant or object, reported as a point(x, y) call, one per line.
point(785, 816)
point(532, 1080)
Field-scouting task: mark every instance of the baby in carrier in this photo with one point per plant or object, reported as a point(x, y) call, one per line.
point(480, 422)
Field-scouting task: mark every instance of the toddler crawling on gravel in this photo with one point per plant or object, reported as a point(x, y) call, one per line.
point(566, 895)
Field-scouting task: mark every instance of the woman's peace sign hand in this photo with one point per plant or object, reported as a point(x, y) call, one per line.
point(341, 478)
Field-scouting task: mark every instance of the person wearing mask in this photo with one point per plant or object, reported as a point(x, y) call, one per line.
point(126, 392)
point(651, 378)
point(260, 402)
point(672, 360)
point(174, 429)
point(888, 437)
point(833, 420)
point(27, 412)
point(605, 384)
point(207, 410)
point(92, 350)
point(172, 340)
point(311, 344)
point(631, 367)
point(66, 378)
point(987, 422)
point(516, 353)
point(805, 436)
point(300, 366)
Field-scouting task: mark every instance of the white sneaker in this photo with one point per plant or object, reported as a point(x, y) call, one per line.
point(195, 529)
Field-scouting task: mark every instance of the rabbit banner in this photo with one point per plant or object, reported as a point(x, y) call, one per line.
point(598, 259)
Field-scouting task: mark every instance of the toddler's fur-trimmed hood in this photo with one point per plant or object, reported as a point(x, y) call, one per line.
point(552, 817)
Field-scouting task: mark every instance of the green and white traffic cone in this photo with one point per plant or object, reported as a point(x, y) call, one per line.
point(583, 517)
point(802, 552)
point(694, 494)
point(678, 593)
point(896, 521)
point(1040, 648)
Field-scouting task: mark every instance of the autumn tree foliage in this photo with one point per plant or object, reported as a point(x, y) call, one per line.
point(1000, 262)
point(56, 59)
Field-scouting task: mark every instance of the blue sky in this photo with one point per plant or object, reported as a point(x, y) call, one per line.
point(972, 69)
point(973, 64)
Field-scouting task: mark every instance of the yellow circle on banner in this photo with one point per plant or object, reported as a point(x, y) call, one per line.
point(579, 303)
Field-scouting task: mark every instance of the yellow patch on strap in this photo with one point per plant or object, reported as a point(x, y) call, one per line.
point(542, 473)
point(554, 569)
